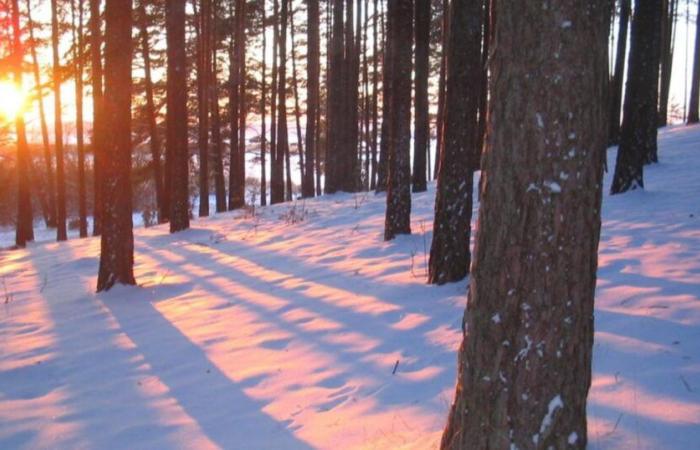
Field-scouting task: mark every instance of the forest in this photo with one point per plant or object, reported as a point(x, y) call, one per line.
point(277, 224)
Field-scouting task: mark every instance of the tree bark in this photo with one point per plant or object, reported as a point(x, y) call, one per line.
point(398, 198)
point(97, 126)
point(61, 234)
point(449, 252)
point(421, 108)
point(77, 35)
point(668, 33)
point(375, 94)
point(263, 108)
point(295, 87)
point(177, 153)
point(638, 134)
point(693, 108)
point(383, 164)
point(282, 143)
point(117, 242)
point(203, 94)
point(616, 83)
point(440, 120)
point(525, 361)
point(217, 144)
point(25, 230)
point(312, 87)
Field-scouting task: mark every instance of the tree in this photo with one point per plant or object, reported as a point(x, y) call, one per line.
point(95, 26)
point(25, 230)
point(421, 108)
point(263, 108)
point(78, 68)
point(616, 82)
point(217, 143)
point(440, 120)
point(237, 110)
point(312, 104)
point(176, 120)
point(639, 123)
point(282, 143)
point(203, 72)
point(693, 109)
point(525, 363)
point(375, 94)
point(117, 242)
point(668, 32)
point(398, 198)
point(449, 251)
point(61, 234)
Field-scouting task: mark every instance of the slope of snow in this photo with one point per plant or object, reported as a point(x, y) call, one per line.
point(282, 329)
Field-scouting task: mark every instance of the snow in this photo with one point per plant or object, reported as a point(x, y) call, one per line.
point(262, 332)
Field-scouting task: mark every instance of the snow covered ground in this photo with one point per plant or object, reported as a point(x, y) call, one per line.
point(283, 329)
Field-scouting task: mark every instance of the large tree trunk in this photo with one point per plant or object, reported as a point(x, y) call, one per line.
point(616, 82)
point(151, 112)
point(693, 109)
point(25, 230)
point(97, 125)
point(638, 135)
point(525, 361)
point(61, 234)
point(449, 252)
point(422, 120)
point(398, 198)
point(77, 31)
point(117, 243)
point(312, 89)
point(668, 32)
point(203, 72)
point(48, 159)
point(177, 153)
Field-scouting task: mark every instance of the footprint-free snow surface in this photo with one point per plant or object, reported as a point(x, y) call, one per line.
point(297, 327)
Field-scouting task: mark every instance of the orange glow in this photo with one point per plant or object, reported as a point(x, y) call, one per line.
point(12, 100)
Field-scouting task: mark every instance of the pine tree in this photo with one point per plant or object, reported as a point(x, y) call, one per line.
point(217, 142)
point(61, 234)
point(177, 154)
point(312, 88)
point(616, 82)
point(668, 32)
point(77, 29)
point(95, 26)
point(203, 72)
point(117, 242)
point(528, 328)
point(398, 198)
point(449, 252)
point(638, 134)
point(693, 108)
point(421, 105)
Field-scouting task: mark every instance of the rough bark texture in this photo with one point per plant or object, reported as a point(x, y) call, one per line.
point(177, 153)
point(616, 82)
point(449, 252)
point(638, 134)
point(24, 231)
point(312, 87)
point(398, 198)
point(693, 108)
point(525, 361)
point(97, 128)
point(117, 242)
point(61, 234)
point(421, 106)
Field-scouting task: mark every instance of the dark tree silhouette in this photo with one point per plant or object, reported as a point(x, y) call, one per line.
point(97, 123)
point(61, 234)
point(421, 137)
point(312, 73)
point(616, 82)
point(693, 108)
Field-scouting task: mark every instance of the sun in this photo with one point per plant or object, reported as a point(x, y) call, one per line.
point(12, 100)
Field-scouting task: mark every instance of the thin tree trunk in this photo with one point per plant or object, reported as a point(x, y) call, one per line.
point(117, 243)
point(97, 126)
point(77, 35)
point(375, 93)
point(242, 106)
point(693, 108)
point(421, 106)
point(638, 135)
point(525, 363)
point(176, 120)
point(278, 194)
point(616, 86)
point(61, 234)
point(398, 198)
point(48, 159)
point(312, 89)
point(668, 33)
point(365, 97)
point(440, 121)
point(217, 144)
point(203, 71)
point(25, 229)
point(276, 158)
point(295, 86)
point(382, 166)
point(263, 108)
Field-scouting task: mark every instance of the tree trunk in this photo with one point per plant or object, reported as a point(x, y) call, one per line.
point(440, 121)
point(77, 35)
point(365, 137)
point(638, 134)
point(295, 87)
point(25, 229)
point(97, 126)
point(61, 234)
point(616, 83)
point(203, 72)
point(383, 165)
point(151, 111)
point(312, 89)
point(398, 198)
point(217, 144)
point(48, 159)
point(668, 33)
point(484, 87)
point(276, 182)
point(242, 106)
point(278, 191)
point(263, 108)
point(525, 361)
point(375, 94)
point(421, 111)
point(693, 109)
point(449, 252)
point(117, 243)
point(177, 153)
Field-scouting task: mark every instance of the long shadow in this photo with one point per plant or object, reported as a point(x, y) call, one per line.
point(219, 406)
point(390, 341)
